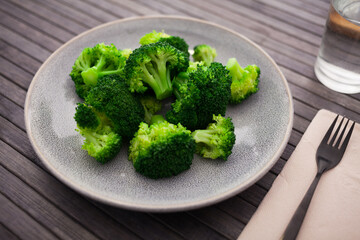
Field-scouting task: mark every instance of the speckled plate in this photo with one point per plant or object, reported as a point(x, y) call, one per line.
point(263, 123)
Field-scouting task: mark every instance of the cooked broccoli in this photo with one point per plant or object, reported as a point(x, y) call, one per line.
point(126, 52)
point(217, 140)
point(151, 106)
point(93, 63)
point(204, 53)
point(200, 94)
point(152, 37)
point(244, 80)
point(154, 64)
point(101, 141)
point(112, 97)
point(175, 41)
point(161, 149)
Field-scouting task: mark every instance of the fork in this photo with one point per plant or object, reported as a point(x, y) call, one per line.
point(328, 156)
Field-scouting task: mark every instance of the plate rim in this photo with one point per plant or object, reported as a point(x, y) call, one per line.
point(151, 207)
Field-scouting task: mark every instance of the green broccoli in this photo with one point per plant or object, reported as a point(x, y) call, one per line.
point(101, 141)
point(151, 106)
point(126, 52)
point(112, 97)
point(244, 80)
point(152, 37)
point(154, 65)
point(217, 140)
point(161, 149)
point(204, 53)
point(200, 94)
point(175, 41)
point(93, 63)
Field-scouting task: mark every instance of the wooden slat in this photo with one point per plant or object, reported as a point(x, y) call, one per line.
point(243, 210)
point(162, 8)
point(12, 91)
point(311, 8)
point(295, 11)
point(141, 223)
point(12, 112)
point(51, 16)
point(135, 7)
point(14, 73)
point(70, 13)
point(21, 224)
point(90, 10)
point(116, 10)
point(19, 58)
point(259, 10)
point(35, 21)
point(6, 233)
point(182, 222)
point(18, 139)
point(40, 209)
point(244, 17)
point(21, 28)
point(27, 46)
point(217, 219)
point(63, 197)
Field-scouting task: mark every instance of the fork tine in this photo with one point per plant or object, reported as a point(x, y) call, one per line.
point(337, 144)
point(347, 138)
point(336, 132)
point(328, 133)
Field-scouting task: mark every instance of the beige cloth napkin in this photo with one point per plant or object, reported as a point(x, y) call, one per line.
point(334, 212)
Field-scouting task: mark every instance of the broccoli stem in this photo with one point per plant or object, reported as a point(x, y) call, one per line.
point(94, 138)
point(236, 71)
point(204, 136)
point(181, 79)
point(159, 77)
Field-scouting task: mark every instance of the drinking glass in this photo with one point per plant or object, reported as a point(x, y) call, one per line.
point(338, 63)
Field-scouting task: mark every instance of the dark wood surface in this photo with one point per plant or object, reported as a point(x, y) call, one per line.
point(35, 205)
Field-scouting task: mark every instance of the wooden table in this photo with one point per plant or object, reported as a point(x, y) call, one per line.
point(35, 205)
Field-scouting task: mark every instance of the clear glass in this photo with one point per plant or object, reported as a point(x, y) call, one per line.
point(338, 63)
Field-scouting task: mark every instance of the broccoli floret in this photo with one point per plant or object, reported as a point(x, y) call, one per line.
point(204, 53)
point(93, 63)
point(161, 149)
point(151, 106)
point(112, 97)
point(126, 52)
point(154, 65)
point(217, 140)
point(152, 37)
point(244, 80)
point(175, 41)
point(101, 142)
point(203, 93)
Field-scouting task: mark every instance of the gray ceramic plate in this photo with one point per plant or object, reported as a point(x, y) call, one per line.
point(263, 123)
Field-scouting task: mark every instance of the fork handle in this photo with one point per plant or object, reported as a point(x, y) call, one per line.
point(295, 223)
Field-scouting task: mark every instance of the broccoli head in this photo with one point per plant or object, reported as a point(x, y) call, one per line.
point(204, 53)
point(112, 97)
point(217, 140)
point(154, 65)
point(244, 80)
point(93, 63)
point(126, 52)
point(199, 95)
point(161, 149)
point(101, 141)
point(152, 37)
point(175, 41)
